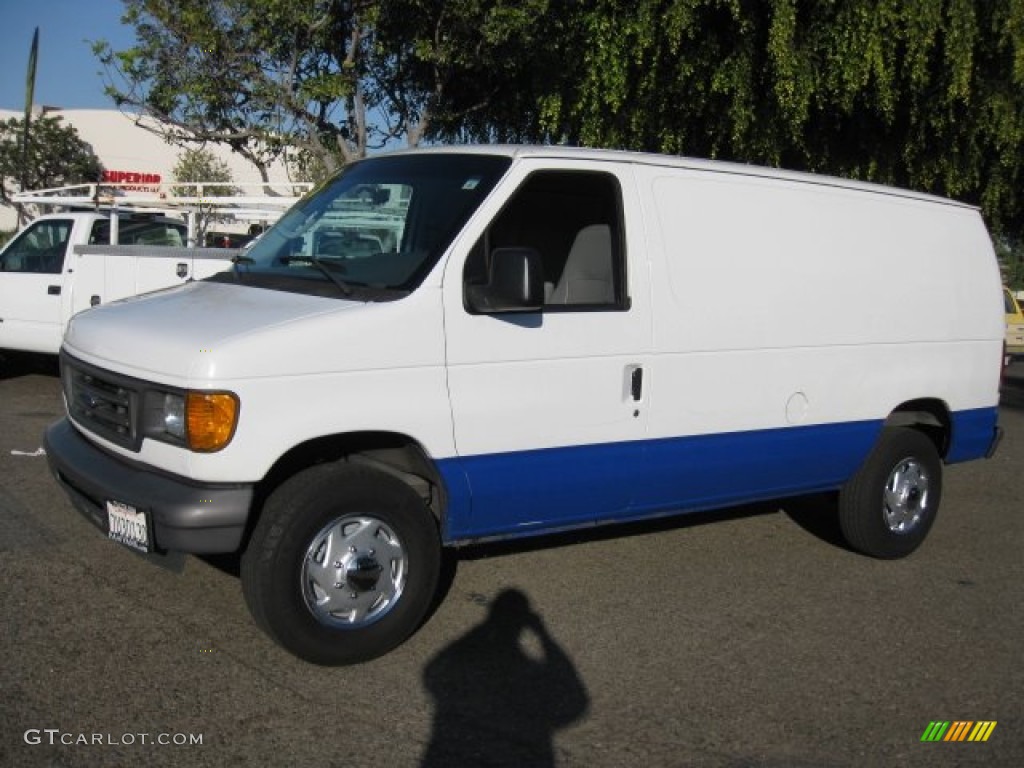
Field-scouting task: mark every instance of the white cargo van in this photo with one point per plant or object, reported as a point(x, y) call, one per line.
point(454, 344)
point(63, 263)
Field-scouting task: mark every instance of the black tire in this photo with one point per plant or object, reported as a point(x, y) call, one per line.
point(888, 507)
point(293, 582)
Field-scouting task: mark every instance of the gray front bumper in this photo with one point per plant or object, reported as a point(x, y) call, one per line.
point(186, 517)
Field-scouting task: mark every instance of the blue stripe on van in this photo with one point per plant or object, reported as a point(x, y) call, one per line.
point(534, 491)
point(973, 433)
point(527, 492)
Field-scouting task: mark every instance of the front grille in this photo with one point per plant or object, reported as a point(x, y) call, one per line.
point(103, 402)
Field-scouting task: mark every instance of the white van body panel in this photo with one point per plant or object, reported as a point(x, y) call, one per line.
point(561, 381)
point(858, 341)
point(522, 385)
point(348, 358)
point(869, 268)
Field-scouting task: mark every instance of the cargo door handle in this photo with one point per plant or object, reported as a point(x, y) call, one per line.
point(53, 290)
point(636, 384)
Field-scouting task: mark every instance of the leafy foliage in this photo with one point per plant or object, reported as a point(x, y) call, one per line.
point(196, 165)
point(57, 156)
point(1011, 261)
point(254, 75)
point(326, 80)
point(453, 69)
point(926, 94)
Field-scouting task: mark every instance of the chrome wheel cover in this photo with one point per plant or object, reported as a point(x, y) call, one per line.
point(905, 499)
point(354, 572)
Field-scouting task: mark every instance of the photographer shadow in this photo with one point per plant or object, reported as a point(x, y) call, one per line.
point(501, 691)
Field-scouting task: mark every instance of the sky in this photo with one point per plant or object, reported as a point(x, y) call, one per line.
point(67, 72)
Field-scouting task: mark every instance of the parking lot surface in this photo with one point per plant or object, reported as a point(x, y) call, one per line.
point(747, 637)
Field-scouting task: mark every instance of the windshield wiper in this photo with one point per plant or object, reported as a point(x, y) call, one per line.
point(235, 261)
point(345, 288)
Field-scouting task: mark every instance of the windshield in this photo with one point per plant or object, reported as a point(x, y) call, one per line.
point(372, 232)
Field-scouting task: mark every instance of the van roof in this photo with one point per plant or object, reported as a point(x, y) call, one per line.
point(677, 161)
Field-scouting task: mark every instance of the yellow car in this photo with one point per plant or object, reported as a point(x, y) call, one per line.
point(1014, 326)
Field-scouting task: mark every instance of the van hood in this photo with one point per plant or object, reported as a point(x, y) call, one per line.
point(180, 333)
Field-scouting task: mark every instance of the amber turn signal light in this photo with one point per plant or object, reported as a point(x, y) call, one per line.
point(212, 418)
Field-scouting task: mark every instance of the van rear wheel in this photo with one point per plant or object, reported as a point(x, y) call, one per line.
point(888, 507)
point(343, 564)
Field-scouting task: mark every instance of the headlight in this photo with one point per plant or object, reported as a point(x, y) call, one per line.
point(174, 416)
point(200, 421)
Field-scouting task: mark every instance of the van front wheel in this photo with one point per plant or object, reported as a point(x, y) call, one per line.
point(343, 564)
point(888, 507)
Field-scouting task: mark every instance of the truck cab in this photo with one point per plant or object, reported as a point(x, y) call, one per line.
point(43, 280)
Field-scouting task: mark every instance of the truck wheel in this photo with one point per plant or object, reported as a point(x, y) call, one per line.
point(343, 564)
point(888, 507)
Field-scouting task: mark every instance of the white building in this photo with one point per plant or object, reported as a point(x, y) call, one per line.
point(131, 153)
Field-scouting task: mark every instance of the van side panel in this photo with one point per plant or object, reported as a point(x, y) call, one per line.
point(782, 304)
point(790, 320)
point(755, 263)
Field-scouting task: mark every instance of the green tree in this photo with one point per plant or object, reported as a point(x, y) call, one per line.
point(57, 156)
point(201, 165)
point(927, 94)
point(197, 165)
point(324, 80)
point(451, 69)
point(1011, 262)
point(256, 75)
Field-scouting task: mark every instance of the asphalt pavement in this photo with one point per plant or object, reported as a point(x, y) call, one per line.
point(748, 637)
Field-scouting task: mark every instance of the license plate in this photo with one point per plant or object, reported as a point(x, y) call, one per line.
point(127, 525)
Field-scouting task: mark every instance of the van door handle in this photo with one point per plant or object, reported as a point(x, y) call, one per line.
point(636, 384)
point(53, 290)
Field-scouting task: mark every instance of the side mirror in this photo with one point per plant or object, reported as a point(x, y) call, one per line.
point(515, 283)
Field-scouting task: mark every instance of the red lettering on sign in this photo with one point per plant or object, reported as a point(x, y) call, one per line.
point(139, 180)
point(132, 177)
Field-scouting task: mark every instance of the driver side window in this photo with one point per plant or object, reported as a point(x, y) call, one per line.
point(573, 220)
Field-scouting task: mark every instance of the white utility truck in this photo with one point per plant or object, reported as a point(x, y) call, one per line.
point(63, 263)
point(447, 345)
point(112, 241)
